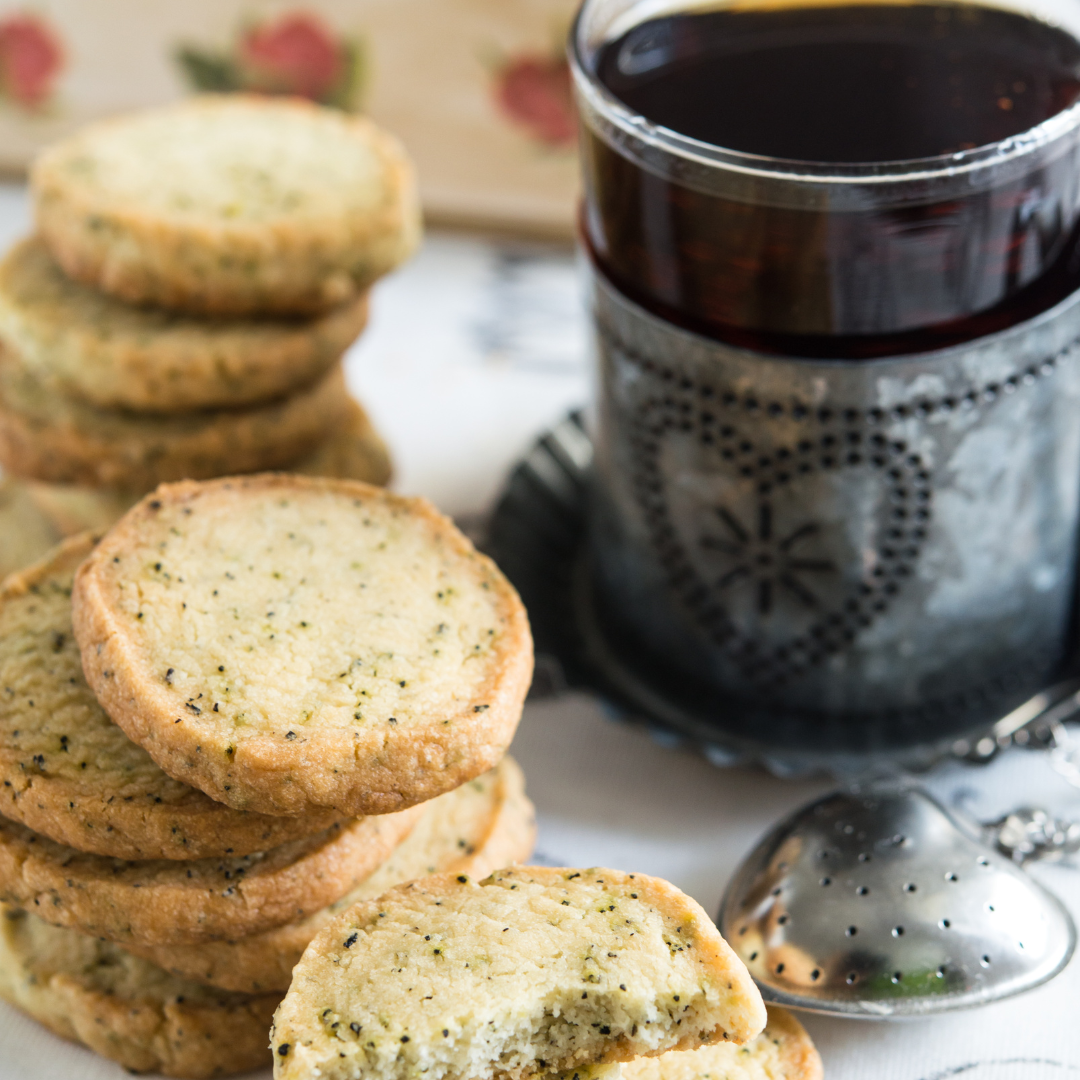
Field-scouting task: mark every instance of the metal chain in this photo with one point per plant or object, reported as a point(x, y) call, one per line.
point(1065, 754)
point(1031, 833)
point(1039, 724)
point(1031, 725)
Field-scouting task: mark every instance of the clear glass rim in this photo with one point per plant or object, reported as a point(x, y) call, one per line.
point(759, 167)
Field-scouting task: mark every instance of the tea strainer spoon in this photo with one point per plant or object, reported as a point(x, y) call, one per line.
point(876, 902)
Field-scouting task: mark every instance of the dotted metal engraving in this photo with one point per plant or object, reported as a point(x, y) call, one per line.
point(754, 568)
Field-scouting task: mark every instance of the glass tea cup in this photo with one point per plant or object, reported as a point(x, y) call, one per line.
point(835, 498)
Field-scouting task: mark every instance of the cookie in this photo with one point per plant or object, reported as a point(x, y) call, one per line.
point(92, 992)
point(115, 356)
point(290, 644)
point(228, 205)
point(69, 773)
point(357, 452)
point(56, 438)
point(25, 533)
point(485, 824)
point(529, 971)
point(783, 1051)
point(588, 1072)
point(159, 901)
point(71, 510)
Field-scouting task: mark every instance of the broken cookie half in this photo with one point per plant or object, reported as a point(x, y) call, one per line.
point(530, 971)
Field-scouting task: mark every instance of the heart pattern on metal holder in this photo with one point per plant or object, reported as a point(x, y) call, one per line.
point(764, 582)
point(767, 571)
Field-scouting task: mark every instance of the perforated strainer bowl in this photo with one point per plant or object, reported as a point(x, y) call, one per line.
point(875, 903)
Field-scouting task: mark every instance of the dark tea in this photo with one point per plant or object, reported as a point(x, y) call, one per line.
point(925, 90)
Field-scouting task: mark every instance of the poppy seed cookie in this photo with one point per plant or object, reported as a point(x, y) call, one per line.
point(481, 826)
point(228, 204)
point(115, 356)
point(90, 991)
point(161, 901)
point(26, 533)
point(69, 773)
point(49, 436)
point(290, 644)
point(529, 971)
point(783, 1051)
point(356, 452)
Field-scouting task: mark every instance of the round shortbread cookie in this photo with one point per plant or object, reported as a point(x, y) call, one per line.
point(92, 992)
point(26, 533)
point(485, 824)
point(160, 901)
point(783, 1051)
point(48, 436)
point(532, 970)
point(229, 204)
point(357, 452)
point(290, 644)
point(116, 356)
point(70, 773)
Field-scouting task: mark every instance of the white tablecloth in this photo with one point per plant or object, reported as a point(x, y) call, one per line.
point(473, 349)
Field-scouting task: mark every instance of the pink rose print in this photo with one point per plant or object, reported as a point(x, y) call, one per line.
point(31, 57)
point(295, 55)
point(534, 93)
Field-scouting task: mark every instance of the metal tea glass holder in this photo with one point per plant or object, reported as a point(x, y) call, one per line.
point(872, 903)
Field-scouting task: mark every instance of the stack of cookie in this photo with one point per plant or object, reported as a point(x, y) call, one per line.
point(195, 710)
point(25, 532)
point(251, 704)
point(197, 275)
